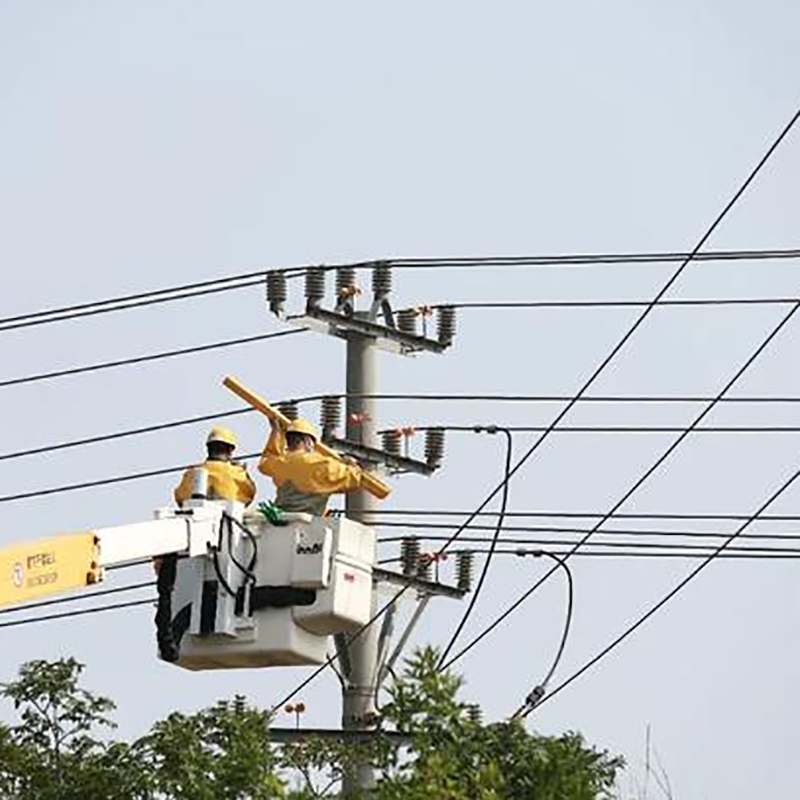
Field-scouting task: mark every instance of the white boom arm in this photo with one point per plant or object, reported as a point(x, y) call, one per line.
point(75, 560)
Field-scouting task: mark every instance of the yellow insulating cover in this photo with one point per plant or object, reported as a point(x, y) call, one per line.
point(48, 566)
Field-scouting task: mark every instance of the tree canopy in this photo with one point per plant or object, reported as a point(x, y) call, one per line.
point(62, 748)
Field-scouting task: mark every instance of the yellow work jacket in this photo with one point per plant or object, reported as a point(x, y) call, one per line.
point(226, 481)
point(297, 473)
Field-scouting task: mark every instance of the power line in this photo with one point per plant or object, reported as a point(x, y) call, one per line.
point(589, 514)
point(77, 598)
point(648, 546)
point(495, 537)
point(631, 330)
point(494, 398)
point(640, 481)
point(719, 552)
point(671, 301)
point(78, 613)
point(125, 362)
point(578, 259)
point(257, 278)
point(155, 297)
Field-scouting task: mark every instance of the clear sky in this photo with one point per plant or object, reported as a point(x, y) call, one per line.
point(152, 143)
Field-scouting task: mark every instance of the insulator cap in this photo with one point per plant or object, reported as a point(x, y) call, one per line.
point(407, 320)
point(445, 325)
point(392, 441)
point(277, 292)
point(434, 446)
point(381, 280)
point(315, 285)
point(465, 569)
point(345, 280)
point(330, 414)
point(289, 409)
point(409, 555)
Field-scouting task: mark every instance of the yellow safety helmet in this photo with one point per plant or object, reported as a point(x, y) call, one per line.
point(303, 426)
point(221, 434)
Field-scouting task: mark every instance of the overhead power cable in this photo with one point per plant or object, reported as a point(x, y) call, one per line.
point(639, 482)
point(650, 547)
point(126, 362)
point(669, 301)
point(616, 349)
point(257, 278)
point(658, 515)
point(498, 398)
point(676, 589)
point(493, 429)
point(578, 259)
point(77, 598)
point(124, 303)
point(81, 612)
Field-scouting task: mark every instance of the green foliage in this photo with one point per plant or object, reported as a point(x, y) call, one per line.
point(220, 753)
point(56, 752)
point(455, 757)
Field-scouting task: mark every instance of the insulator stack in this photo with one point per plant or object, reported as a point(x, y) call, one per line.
point(425, 566)
point(475, 713)
point(289, 409)
point(465, 569)
point(381, 280)
point(407, 320)
point(392, 441)
point(445, 325)
point(239, 704)
point(277, 293)
point(315, 285)
point(345, 281)
point(330, 414)
point(434, 447)
point(409, 555)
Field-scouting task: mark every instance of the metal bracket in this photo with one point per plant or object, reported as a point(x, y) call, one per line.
point(375, 455)
point(422, 586)
point(386, 338)
point(290, 735)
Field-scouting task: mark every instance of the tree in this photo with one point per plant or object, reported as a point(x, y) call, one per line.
point(454, 756)
point(57, 752)
point(53, 752)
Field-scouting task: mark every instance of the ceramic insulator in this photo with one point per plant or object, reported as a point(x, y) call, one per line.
point(277, 292)
point(289, 409)
point(407, 320)
point(434, 446)
point(445, 324)
point(409, 555)
point(315, 285)
point(392, 441)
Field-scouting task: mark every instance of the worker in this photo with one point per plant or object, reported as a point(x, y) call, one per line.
point(227, 480)
point(303, 476)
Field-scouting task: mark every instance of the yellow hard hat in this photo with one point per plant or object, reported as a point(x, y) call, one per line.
point(221, 434)
point(303, 426)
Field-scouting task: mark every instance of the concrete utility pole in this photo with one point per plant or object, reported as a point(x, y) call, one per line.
point(358, 693)
point(364, 657)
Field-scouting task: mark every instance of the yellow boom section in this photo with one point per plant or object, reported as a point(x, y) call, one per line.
point(371, 483)
point(48, 566)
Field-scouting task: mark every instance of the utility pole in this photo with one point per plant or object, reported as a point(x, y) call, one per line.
point(364, 658)
point(358, 693)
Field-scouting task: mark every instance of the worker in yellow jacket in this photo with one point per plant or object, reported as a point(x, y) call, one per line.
point(304, 477)
point(227, 479)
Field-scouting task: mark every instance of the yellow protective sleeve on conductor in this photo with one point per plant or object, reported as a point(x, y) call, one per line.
point(47, 566)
